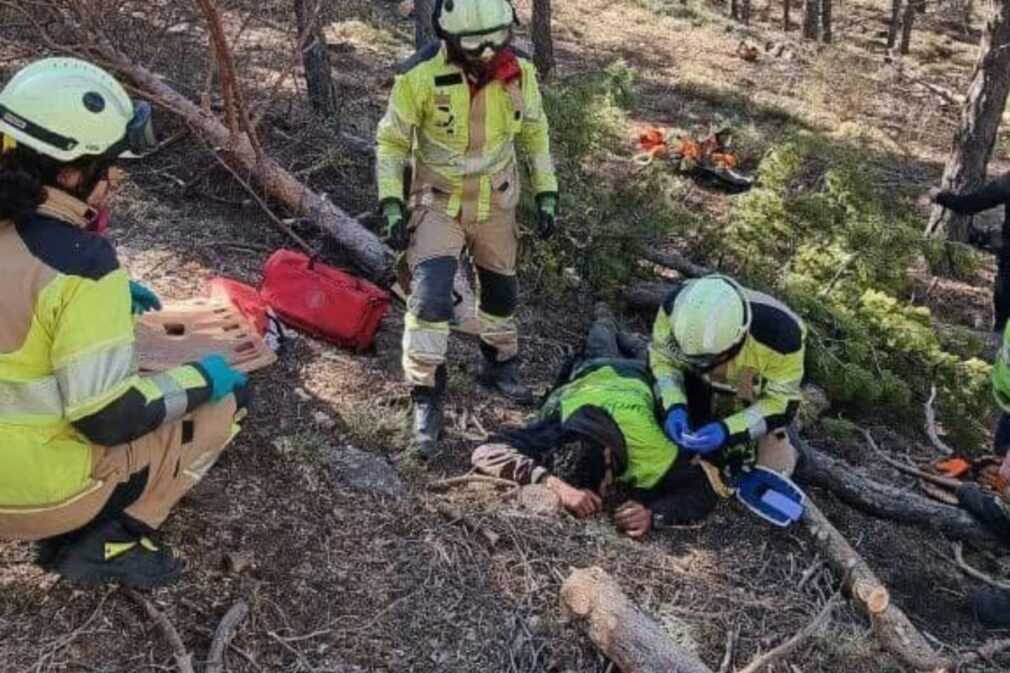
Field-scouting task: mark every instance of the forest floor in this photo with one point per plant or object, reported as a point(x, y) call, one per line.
point(342, 580)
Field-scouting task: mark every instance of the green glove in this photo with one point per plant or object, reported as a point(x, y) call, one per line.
point(547, 204)
point(397, 235)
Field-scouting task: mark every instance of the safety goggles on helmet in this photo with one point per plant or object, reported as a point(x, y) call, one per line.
point(476, 44)
point(139, 138)
point(707, 362)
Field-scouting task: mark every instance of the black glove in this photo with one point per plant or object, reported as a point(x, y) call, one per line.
point(397, 236)
point(940, 197)
point(547, 205)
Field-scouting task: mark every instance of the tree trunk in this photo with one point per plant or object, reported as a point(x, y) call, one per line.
point(734, 9)
point(424, 32)
point(892, 628)
point(980, 119)
point(543, 40)
point(745, 6)
point(371, 254)
point(826, 21)
point(811, 19)
point(315, 58)
point(629, 638)
point(908, 22)
point(852, 486)
point(895, 25)
point(786, 19)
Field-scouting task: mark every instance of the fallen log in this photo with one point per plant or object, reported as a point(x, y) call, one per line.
point(851, 485)
point(629, 638)
point(677, 262)
point(892, 628)
point(646, 295)
point(373, 257)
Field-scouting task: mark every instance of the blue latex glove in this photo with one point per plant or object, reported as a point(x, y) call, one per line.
point(143, 298)
point(707, 440)
point(676, 424)
point(223, 380)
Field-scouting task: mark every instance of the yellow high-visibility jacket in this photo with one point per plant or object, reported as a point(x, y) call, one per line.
point(766, 373)
point(68, 375)
point(461, 146)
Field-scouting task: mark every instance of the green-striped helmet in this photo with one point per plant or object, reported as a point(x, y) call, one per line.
point(710, 318)
point(65, 108)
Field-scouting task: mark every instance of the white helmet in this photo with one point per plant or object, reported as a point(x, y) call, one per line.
point(66, 108)
point(710, 318)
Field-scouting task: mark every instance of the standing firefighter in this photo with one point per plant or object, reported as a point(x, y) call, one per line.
point(715, 339)
point(457, 110)
point(92, 456)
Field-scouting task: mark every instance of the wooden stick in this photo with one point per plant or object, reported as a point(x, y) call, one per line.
point(223, 635)
point(454, 515)
point(892, 628)
point(183, 659)
point(727, 659)
point(946, 482)
point(931, 431)
point(628, 637)
point(444, 484)
point(975, 572)
point(788, 647)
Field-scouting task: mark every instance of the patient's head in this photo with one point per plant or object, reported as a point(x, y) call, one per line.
point(583, 464)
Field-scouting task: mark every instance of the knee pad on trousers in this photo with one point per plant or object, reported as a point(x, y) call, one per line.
point(431, 298)
point(499, 293)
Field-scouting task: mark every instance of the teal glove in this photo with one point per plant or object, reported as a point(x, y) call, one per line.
point(221, 377)
point(547, 204)
point(143, 299)
point(397, 235)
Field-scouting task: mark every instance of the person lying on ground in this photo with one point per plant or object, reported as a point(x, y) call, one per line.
point(728, 363)
point(93, 456)
point(599, 426)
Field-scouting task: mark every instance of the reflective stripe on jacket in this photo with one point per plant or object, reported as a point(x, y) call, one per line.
point(461, 145)
point(68, 372)
point(766, 373)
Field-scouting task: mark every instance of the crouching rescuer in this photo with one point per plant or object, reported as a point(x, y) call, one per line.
point(92, 456)
point(728, 363)
point(456, 113)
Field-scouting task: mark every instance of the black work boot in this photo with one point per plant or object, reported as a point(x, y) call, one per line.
point(502, 377)
point(992, 608)
point(112, 552)
point(49, 551)
point(429, 417)
point(986, 507)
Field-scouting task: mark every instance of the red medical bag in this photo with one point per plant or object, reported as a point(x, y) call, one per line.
point(323, 301)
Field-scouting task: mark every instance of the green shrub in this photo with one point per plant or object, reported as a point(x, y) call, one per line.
point(607, 211)
point(821, 233)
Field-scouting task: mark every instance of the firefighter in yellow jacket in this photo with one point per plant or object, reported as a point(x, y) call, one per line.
point(457, 111)
point(715, 339)
point(92, 456)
